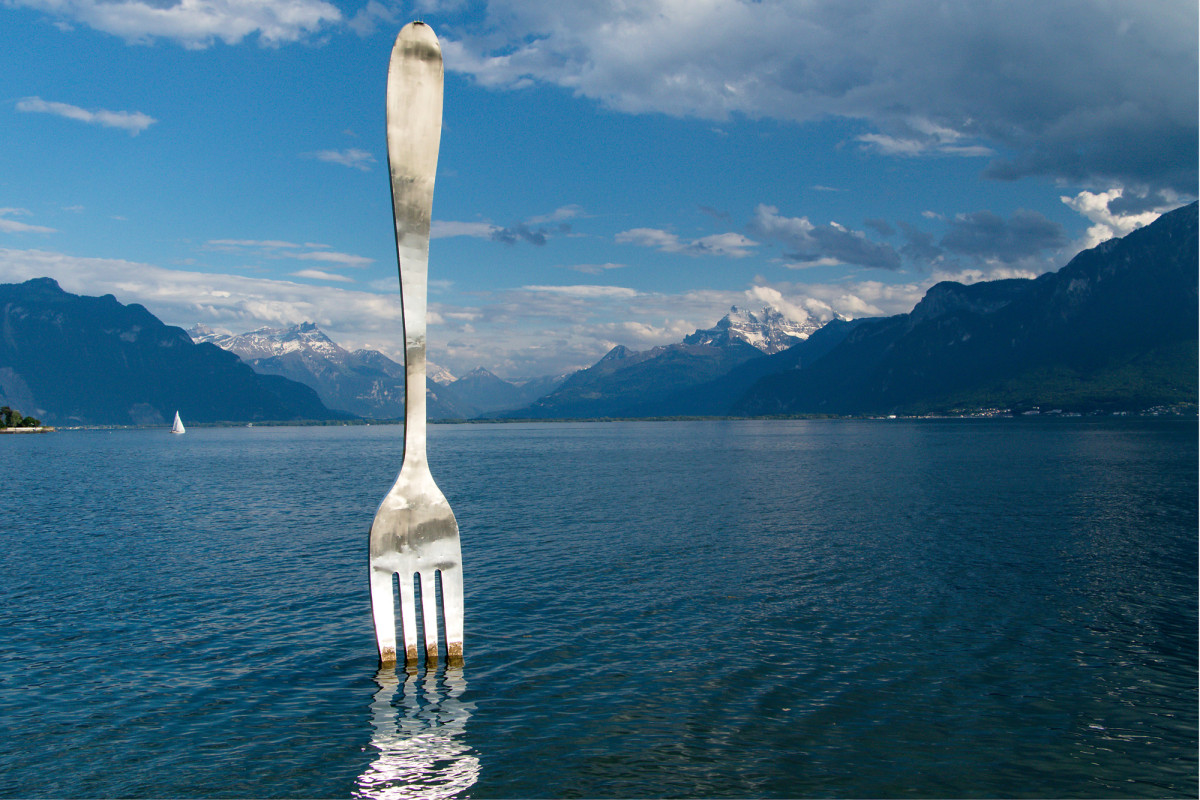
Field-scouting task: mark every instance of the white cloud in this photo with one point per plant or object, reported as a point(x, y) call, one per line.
point(275, 248)
point(351, 157)
point(1107, 224)
point(318, 275)
point(733, 245)
point(566, 212)
point(331, 257)
point(197, 24)
point(15, 226)
point(922, 137)
point(133, 122)
point(769, 295)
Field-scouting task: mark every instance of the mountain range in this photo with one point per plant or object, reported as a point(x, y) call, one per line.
point(366, 382)
point(634, 383)
point(74, 360)
point(1115, 329)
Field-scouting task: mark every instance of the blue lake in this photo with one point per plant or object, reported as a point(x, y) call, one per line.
point(935, 608)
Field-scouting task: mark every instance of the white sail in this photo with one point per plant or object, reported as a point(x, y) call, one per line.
point(178, 426)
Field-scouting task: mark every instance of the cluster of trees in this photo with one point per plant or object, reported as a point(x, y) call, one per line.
point(11, 418)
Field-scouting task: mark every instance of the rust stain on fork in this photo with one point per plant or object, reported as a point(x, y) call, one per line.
point(414, 533)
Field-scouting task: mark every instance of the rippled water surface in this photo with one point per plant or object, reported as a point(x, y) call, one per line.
point(700, 609)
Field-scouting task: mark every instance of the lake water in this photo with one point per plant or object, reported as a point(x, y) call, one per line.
point(704, 609)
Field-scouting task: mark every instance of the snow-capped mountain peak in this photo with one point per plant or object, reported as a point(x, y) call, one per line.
point(271, 342)
point(767, 330)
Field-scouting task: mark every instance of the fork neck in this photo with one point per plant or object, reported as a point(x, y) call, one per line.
point(414, 264)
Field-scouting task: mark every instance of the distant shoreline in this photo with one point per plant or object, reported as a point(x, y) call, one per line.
point(1179, 412)
point(39, 429)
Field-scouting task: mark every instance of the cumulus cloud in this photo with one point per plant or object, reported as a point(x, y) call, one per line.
point(1108, 223)
point(132, 122)
point(811, 244)
point(197, 24)
point(733, 245)
point(350, 157)
point(1089, 92)
point(16, 226)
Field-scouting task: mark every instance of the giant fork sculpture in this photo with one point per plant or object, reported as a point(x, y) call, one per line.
point(414, 532)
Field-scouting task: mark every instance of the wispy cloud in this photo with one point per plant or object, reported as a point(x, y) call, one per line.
point(133, 122)
point(818, 245)
point(732, 245)
point(351, 157)
point(318, 275)
point(267, 244)
point(922, 137)
point(15, 226)
point(197, 24)
point(333, 257)
point(275, 248)
point(587, 291)
point(593, 269)
point(560, 214)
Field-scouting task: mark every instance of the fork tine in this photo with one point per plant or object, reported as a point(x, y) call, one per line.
point(408, 617)
point(429, 611)
point(452, 610)
point(384, 615)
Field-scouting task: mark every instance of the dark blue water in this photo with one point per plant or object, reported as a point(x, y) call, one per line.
point(701, 609)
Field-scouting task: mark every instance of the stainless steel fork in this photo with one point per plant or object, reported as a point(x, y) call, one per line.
point(414, 532)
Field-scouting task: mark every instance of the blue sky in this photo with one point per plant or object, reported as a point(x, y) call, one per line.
point(610, 173)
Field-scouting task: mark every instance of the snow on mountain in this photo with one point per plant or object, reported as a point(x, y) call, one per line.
point(438, 375)
point(364, 382)
point(271, 342)
point(767, 330)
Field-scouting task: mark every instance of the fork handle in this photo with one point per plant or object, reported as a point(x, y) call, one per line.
point(414, 130)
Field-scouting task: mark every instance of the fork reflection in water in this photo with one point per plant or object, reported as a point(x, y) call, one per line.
point(417, 721)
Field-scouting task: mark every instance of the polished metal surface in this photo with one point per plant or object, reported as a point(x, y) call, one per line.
point(414, 532)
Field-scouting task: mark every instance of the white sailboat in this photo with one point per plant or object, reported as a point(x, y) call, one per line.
point(177, 427)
